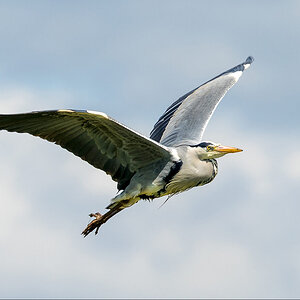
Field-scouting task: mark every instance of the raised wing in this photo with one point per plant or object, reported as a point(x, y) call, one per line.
point(94, 137)
point(184, 122)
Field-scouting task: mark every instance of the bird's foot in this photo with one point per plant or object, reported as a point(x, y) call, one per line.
point(100, 219)
point(95, 224)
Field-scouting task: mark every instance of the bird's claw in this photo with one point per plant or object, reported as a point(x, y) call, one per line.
point(96, 215)
point(94, 224)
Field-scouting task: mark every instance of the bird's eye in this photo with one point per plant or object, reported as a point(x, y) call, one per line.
point(209, 148)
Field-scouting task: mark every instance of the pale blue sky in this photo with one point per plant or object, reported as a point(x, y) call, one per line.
point(236, 237)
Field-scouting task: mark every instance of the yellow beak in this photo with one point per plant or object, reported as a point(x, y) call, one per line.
point(225, 149)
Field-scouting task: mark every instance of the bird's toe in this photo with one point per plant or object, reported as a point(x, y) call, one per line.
point(94, 224)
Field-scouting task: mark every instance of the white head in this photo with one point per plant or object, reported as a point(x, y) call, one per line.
point(208, 150)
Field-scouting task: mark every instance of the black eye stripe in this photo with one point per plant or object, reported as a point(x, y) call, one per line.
point(202, 145)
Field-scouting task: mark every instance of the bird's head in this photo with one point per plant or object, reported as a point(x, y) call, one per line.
point(210, 150)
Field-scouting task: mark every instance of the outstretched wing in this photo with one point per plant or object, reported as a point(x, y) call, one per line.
point(184, 122)
point(94, 137)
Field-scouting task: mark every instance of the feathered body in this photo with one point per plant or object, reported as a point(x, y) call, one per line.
point(172, 160)
point(185, 171)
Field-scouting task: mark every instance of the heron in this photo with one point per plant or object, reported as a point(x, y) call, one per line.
point(172, 160)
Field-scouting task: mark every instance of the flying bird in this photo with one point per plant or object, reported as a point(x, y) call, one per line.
point(172, 160)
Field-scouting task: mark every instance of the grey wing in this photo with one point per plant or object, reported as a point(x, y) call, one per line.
point(94, 137)
point(184, 122)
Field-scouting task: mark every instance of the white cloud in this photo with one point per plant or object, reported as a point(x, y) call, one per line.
point(16, 99)
point(236, 237)
point(291, 163)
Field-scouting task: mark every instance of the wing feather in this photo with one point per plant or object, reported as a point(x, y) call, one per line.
point(94, 137)
point(184, 122)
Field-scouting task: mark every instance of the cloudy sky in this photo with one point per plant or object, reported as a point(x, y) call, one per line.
point(236, 237)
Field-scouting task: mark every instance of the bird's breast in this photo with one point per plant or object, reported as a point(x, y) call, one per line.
point(191, 174)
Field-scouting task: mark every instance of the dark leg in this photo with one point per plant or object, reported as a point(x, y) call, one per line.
point(101, 219)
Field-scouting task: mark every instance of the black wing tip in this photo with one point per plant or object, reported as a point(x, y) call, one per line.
point(241, 67)
point(249, 60)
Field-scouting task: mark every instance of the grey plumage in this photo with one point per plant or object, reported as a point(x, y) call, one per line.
point(170, 161)
point(184, 122)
